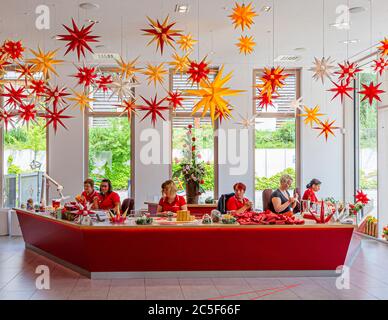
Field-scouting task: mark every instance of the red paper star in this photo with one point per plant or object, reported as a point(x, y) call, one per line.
point(154, 109)
point(78, 39)
point(221, 115)
point(14, 49)
point(129, 108)
point(25, 71)
point(265, 100)
point(103, 82)
point(175, 99)
point(55, 117)
point(14, 96)
point(6, 117)
point(86, 76)
point(362, 197)
point(384, 47)
point(371, 92)
point(380, 65)
point(342, 90)
point(56, 95)
point(198, 71)
point(348, 71)
point(37, 87)
point(27, 112)
point(326, 128)
point(273, 78)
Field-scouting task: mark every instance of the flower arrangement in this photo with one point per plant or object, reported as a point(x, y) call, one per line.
point(385, 232)
point(361, 201)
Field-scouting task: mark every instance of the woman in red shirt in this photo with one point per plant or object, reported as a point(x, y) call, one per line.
point(108, 199)
point(238, 203)
point(89, 195)
point(170, 201)
point(312, 187)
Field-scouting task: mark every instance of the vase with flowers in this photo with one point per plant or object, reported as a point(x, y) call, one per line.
point(191, 169)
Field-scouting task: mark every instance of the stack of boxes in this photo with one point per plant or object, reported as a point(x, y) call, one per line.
point(184, 216)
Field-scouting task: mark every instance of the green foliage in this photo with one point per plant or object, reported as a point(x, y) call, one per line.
point(32, 137)
point(13, 168)
point(209, 175)
point(368, 182)
point(273, 182)
point(283, 137)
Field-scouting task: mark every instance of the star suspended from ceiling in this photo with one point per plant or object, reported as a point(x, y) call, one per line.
point(37, 87)
point(341, 90)
point(221, 115)
point(265, 99)
point(153, 108)
point(175, 99)
point(103, 82)
point(27, 113)
point(123, 88)
point(311, 115)
point(25, 71)
point(322, 69)
point(362, 197)
point(155, 73)
point(186, 42)
point(371, 92)
point(86, 76)
point(247, 122)
point(348, 71)
point(198, 71)
point(384, 47)
point(162, 33)
point(326, 128)
point(127, 69)
point(7, 118)
point(272, 79)
point(180, 63)
point(129, 107)
point(380, 65)
point(82, 100)
point(246, 44)
point(213, 95)
point(44, 62)
point(78, 38)
point(3, 64)
point(14, 49)
point(296, 105)
point(55, 117)
point(243, 15)
point(56, 95)
point(14, 96)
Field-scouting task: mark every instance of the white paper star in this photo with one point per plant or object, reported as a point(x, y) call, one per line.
point(322, 69)
point(247, 122)
point(296, 105)
point(123, 88)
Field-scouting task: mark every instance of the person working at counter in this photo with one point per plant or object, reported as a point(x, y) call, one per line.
point(238, 203)
point(170, 200)
point(281, 201)
point(108, 199)
point(312, 187)
point(89, 195)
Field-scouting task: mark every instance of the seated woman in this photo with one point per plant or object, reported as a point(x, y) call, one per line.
point(89, 195)
point(170, 201)
point(312, 187)
point(238, 203)
point(108, 199)
point(281, 201)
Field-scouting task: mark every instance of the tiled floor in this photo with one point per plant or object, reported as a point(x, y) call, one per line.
point(368, 280)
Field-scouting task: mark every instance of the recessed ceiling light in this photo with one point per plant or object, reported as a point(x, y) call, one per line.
point(92, 21)
point(266, 9)
point(300, 49)
point(356, 9)
point(182, 8)
point(99, 46)
point(89, 5)
point(350, 41)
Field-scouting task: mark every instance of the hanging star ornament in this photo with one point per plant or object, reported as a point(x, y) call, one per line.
point(265, 100)
point(44, 62)
point(14, 96)
point(341, 90)
point(384, 47)
point(14, 49)
point(198, 71)
point(380, 65)
point(272, 79)
point(362, 197)
point(162, 33)
point(78, 39)
point(242, 16)
point(326, 128)
point(153, 108)
point(86, 76)
point(129, 107)
point(25, 71)
point(128, 69)
point(55, 117)
point(348, 71)
point(175, 99)
point(155, 73)
point(371, 92)
point(322, 69)
point(82, 100)
point(247, 122)
point(37, 87)
point(27, 113)
point(311, 115)
point(7, 118)
point(180, 63)
point(212, 95)
point(186, 42)
point(123, 88)
point(296, 105)
point(222, 115)
point(103, 82)
point(246, 44)
point(55, 95)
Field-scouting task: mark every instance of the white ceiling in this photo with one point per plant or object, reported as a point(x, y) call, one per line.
point(298, 23)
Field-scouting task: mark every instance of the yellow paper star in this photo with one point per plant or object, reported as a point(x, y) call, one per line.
point(311, 115)
point(82, 100)
point(155, 73)
point(243, 15)
point(186, 42)
point(180, 63)
point(127, 69)
point(246, 44)
point(212, 96)
point(44, 62)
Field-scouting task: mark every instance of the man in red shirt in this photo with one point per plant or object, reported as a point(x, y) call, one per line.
point(238, 203)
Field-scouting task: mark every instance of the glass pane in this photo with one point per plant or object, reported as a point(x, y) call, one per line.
point(110, 152)
point(24, 163)
point(204, 135)
point(274, 154)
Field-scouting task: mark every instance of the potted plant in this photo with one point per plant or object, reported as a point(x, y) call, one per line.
point(385, 233)
point(191, 168)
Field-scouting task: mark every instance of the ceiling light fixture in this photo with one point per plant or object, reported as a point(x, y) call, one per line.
point(92, 21)
point(357, 9)
point(182, 8)
point(89, 5)
point(351, 41)
point(266, 9)
point(342, 25)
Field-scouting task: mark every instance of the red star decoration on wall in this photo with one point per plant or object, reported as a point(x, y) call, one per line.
point(129, 107)
point(14, 95)
point(384, 47)
point(27, 112)
point(56, 95)
point(380, 65)
point(371, 92)
point(78, 39)
point(326, 128)
point(14, 49)
point(154, 109)
point(55, 117)
point(198, 71)
point(7, 118)
point(175, 99)
point(103, 82)
point(341, 90)
point(37, 87)
point(86, 76)
point(362, 197)
point(348, 71)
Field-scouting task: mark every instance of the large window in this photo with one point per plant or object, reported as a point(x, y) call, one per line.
point(202, 129)
point(276, 137)
point(109, 143)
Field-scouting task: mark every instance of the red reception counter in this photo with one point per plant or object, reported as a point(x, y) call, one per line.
point(105, 250)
